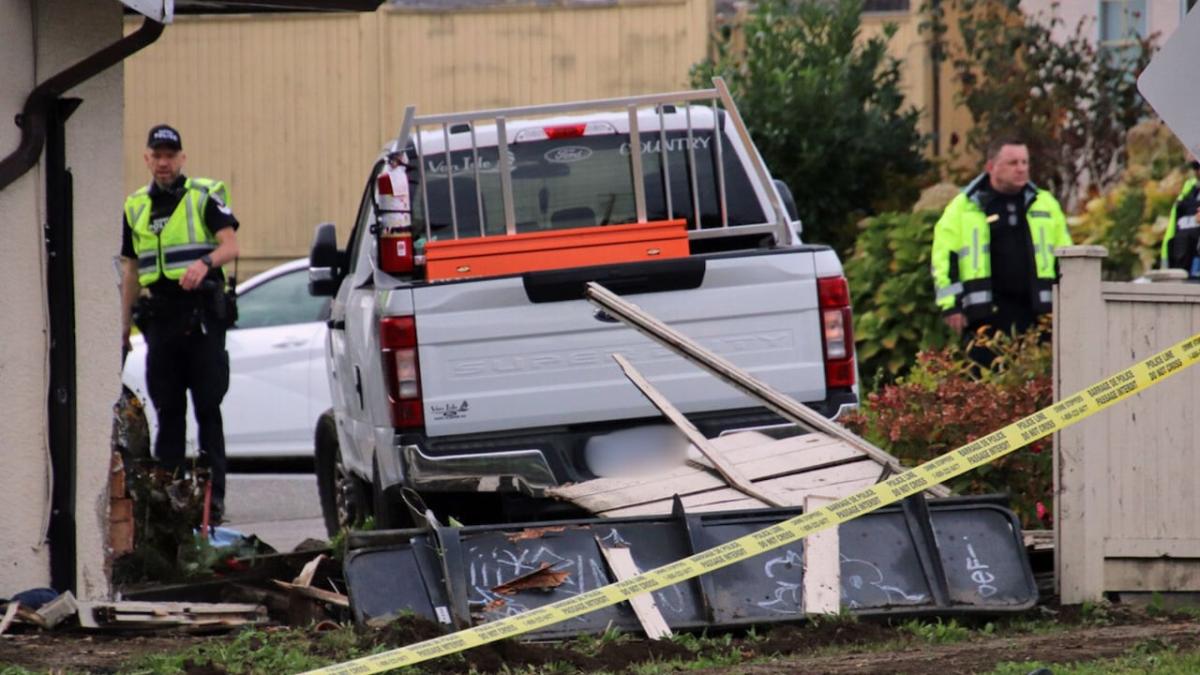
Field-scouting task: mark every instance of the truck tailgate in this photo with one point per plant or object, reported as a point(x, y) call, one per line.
point(492, 359)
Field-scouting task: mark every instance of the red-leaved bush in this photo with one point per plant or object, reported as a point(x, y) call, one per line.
point(945, 402)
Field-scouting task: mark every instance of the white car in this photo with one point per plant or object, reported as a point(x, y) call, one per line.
point(278, 382)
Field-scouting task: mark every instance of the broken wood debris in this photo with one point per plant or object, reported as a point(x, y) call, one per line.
point(532, 533)
point(732, 475)
point(130, 615)
point(783, 405)
point(543, 578)
point(315, 593)
point(792, 467)
point(47, 616)
point(620, 561)
point(10, 613)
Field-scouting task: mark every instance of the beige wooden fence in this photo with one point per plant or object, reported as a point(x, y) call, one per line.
point(1127, 480)
point(292, 109)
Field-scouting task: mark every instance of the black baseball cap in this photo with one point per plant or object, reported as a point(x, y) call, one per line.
point(164, 136)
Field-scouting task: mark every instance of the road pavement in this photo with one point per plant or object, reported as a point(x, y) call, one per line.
point(282, 509)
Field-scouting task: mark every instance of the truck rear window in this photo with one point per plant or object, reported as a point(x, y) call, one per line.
point(579, 182)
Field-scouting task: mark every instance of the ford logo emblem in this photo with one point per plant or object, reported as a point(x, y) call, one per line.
point(568, 154)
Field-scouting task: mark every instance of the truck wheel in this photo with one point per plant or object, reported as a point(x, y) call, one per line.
point(343, 495)
point(389, 514)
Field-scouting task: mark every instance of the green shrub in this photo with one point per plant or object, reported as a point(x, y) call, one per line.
point(825, 109)
point(944, 402)
point(892, 290)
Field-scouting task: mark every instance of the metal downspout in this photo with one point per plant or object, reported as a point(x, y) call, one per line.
point(32, 118)
point(935, 60)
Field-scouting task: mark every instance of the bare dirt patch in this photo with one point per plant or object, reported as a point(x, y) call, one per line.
point(983, 655)
point(73, 651)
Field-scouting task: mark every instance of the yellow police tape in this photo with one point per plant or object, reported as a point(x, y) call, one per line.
point(993, 446)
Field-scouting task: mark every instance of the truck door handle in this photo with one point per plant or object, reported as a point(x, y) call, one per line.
point(336, 324)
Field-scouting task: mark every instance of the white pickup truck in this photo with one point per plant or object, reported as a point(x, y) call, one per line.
point(479, 392)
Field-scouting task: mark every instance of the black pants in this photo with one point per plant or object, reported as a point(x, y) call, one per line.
point(183, 356)
point(1183, 248)
point(1011, 317)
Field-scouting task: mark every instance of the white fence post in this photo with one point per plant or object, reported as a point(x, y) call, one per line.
point(1080, 451)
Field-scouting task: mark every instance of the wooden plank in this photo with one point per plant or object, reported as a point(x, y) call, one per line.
point(165, 608)
point(695, 482)
point(1129, 488)
point(10, 613)
point(822, 580)
point(729, 500)
point(620, 561)
point(306, 573)
point(728, 471)
point(739, 450)
point(1080, 468)
point(788, 407)
point(1162, 574)
point(858, 473)
point(86, 618)
point(1167, 292)
point(316, 593)
point(1152, 547)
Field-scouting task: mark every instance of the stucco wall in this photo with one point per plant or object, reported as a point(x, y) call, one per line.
point(24, 494)
point(66, 32)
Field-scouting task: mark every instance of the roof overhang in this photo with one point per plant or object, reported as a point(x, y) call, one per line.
point(163, 10)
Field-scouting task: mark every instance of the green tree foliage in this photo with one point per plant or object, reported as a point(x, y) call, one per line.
point(1034, 76)
point(826, 111)
point(892, 291)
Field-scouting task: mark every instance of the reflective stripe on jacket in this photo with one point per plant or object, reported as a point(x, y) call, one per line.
point(962, 261)
point(184, 239)
point(1166, 245)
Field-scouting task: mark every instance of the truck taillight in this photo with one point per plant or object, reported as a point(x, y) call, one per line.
point(837, 331)
point(398, 342)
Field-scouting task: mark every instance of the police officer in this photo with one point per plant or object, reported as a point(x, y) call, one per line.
point(177, 233)
point(1179, 247)
point(993, 249)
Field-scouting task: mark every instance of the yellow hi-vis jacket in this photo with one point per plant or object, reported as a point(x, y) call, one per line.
point(962, 260)
point(1166, 245)
point(184, 238)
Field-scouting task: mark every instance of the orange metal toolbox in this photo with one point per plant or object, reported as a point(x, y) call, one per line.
point(557, 249)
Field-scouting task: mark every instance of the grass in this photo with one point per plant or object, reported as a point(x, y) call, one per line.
point(941, 632)
point(256, 651)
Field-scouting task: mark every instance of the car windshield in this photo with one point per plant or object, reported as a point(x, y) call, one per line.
point(580, 182)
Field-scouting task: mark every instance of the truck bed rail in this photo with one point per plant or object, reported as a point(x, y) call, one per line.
point(717, 98)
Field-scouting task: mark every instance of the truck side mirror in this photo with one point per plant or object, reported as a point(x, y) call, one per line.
point(324, 262)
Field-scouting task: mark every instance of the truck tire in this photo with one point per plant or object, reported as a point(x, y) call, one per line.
point(389, 514)
point(344, 503)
